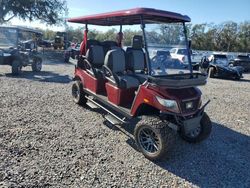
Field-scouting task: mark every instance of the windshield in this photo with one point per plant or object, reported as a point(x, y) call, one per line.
point(221, 60)
point(167, 48)
point(8, 37)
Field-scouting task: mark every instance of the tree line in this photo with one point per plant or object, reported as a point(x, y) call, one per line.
point(227, 37)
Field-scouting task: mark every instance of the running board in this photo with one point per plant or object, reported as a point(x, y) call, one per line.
point(111, 119)
point(91, 104)
point(114, 119)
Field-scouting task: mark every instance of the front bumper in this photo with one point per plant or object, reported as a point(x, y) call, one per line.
point(186, 122)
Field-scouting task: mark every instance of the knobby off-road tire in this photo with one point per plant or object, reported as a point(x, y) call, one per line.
point(37, 65)
point(203, 131)
point(78, 93)
point(151, 131)
point(16, 67)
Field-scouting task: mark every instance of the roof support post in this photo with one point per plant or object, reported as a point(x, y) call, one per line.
point(120, 37)
point(83, 47)
point(145, 45)
point(188, 49)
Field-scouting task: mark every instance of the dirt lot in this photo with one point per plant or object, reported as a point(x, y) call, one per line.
point(48, 141)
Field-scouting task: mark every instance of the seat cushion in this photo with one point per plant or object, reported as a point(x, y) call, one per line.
point(141, 77)
point(127, 82)
point(98, 73)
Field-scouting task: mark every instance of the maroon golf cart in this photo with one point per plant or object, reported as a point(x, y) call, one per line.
point(142, 85)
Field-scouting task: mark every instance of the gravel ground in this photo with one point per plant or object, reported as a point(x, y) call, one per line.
point(48, 141)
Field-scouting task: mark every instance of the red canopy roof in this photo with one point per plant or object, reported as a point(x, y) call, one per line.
point(130, 17)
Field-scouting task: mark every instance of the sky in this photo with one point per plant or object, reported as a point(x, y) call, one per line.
point(200, 11)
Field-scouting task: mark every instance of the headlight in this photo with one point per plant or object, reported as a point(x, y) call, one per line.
point(170, 104)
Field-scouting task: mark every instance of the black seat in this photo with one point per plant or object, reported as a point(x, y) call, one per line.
point(95, 60)
point(115, 70)
point(135, 58)
point(91, 42)
point(108, 45)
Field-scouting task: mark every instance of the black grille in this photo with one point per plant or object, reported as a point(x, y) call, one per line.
point(184, 109)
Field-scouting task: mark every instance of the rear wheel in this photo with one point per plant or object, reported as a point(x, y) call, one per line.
point(37, 65)
point(237, 78)
point(16, 67)
point(153, 137)
point(78, 93)
point(200, 133)
point(211, 72)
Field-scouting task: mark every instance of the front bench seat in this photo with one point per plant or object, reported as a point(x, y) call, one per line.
point(115, 67)
point(95, 59)
point(135, 58)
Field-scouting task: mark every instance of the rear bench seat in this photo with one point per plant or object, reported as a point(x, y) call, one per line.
point(95, 56)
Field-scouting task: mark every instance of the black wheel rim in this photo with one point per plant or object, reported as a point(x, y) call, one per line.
point(149, 141)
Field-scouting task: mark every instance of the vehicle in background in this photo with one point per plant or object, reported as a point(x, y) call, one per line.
point(45, 43)
point(60, 40)
point(18, 48)
point(182, 55)
point(72, 52)
point(131, 87)
point(219, 67)
point(241, 60)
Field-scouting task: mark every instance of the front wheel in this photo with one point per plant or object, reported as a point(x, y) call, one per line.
point(37, 65)
point(153, 137)
point(200, 133)
point(16, 67)
point(211, 72)
point(78, 93)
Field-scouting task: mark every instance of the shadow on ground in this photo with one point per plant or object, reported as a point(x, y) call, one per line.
point(220, 161)
point(43, 76)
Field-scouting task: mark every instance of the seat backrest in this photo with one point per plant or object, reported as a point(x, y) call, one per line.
point(108, 45)
point(91, 42)
point(115, 60)
point(137, 42)
point(135, 55)
point(95, 55)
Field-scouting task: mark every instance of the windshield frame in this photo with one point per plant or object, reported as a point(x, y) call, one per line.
point(16, 36)
point(148, 61)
